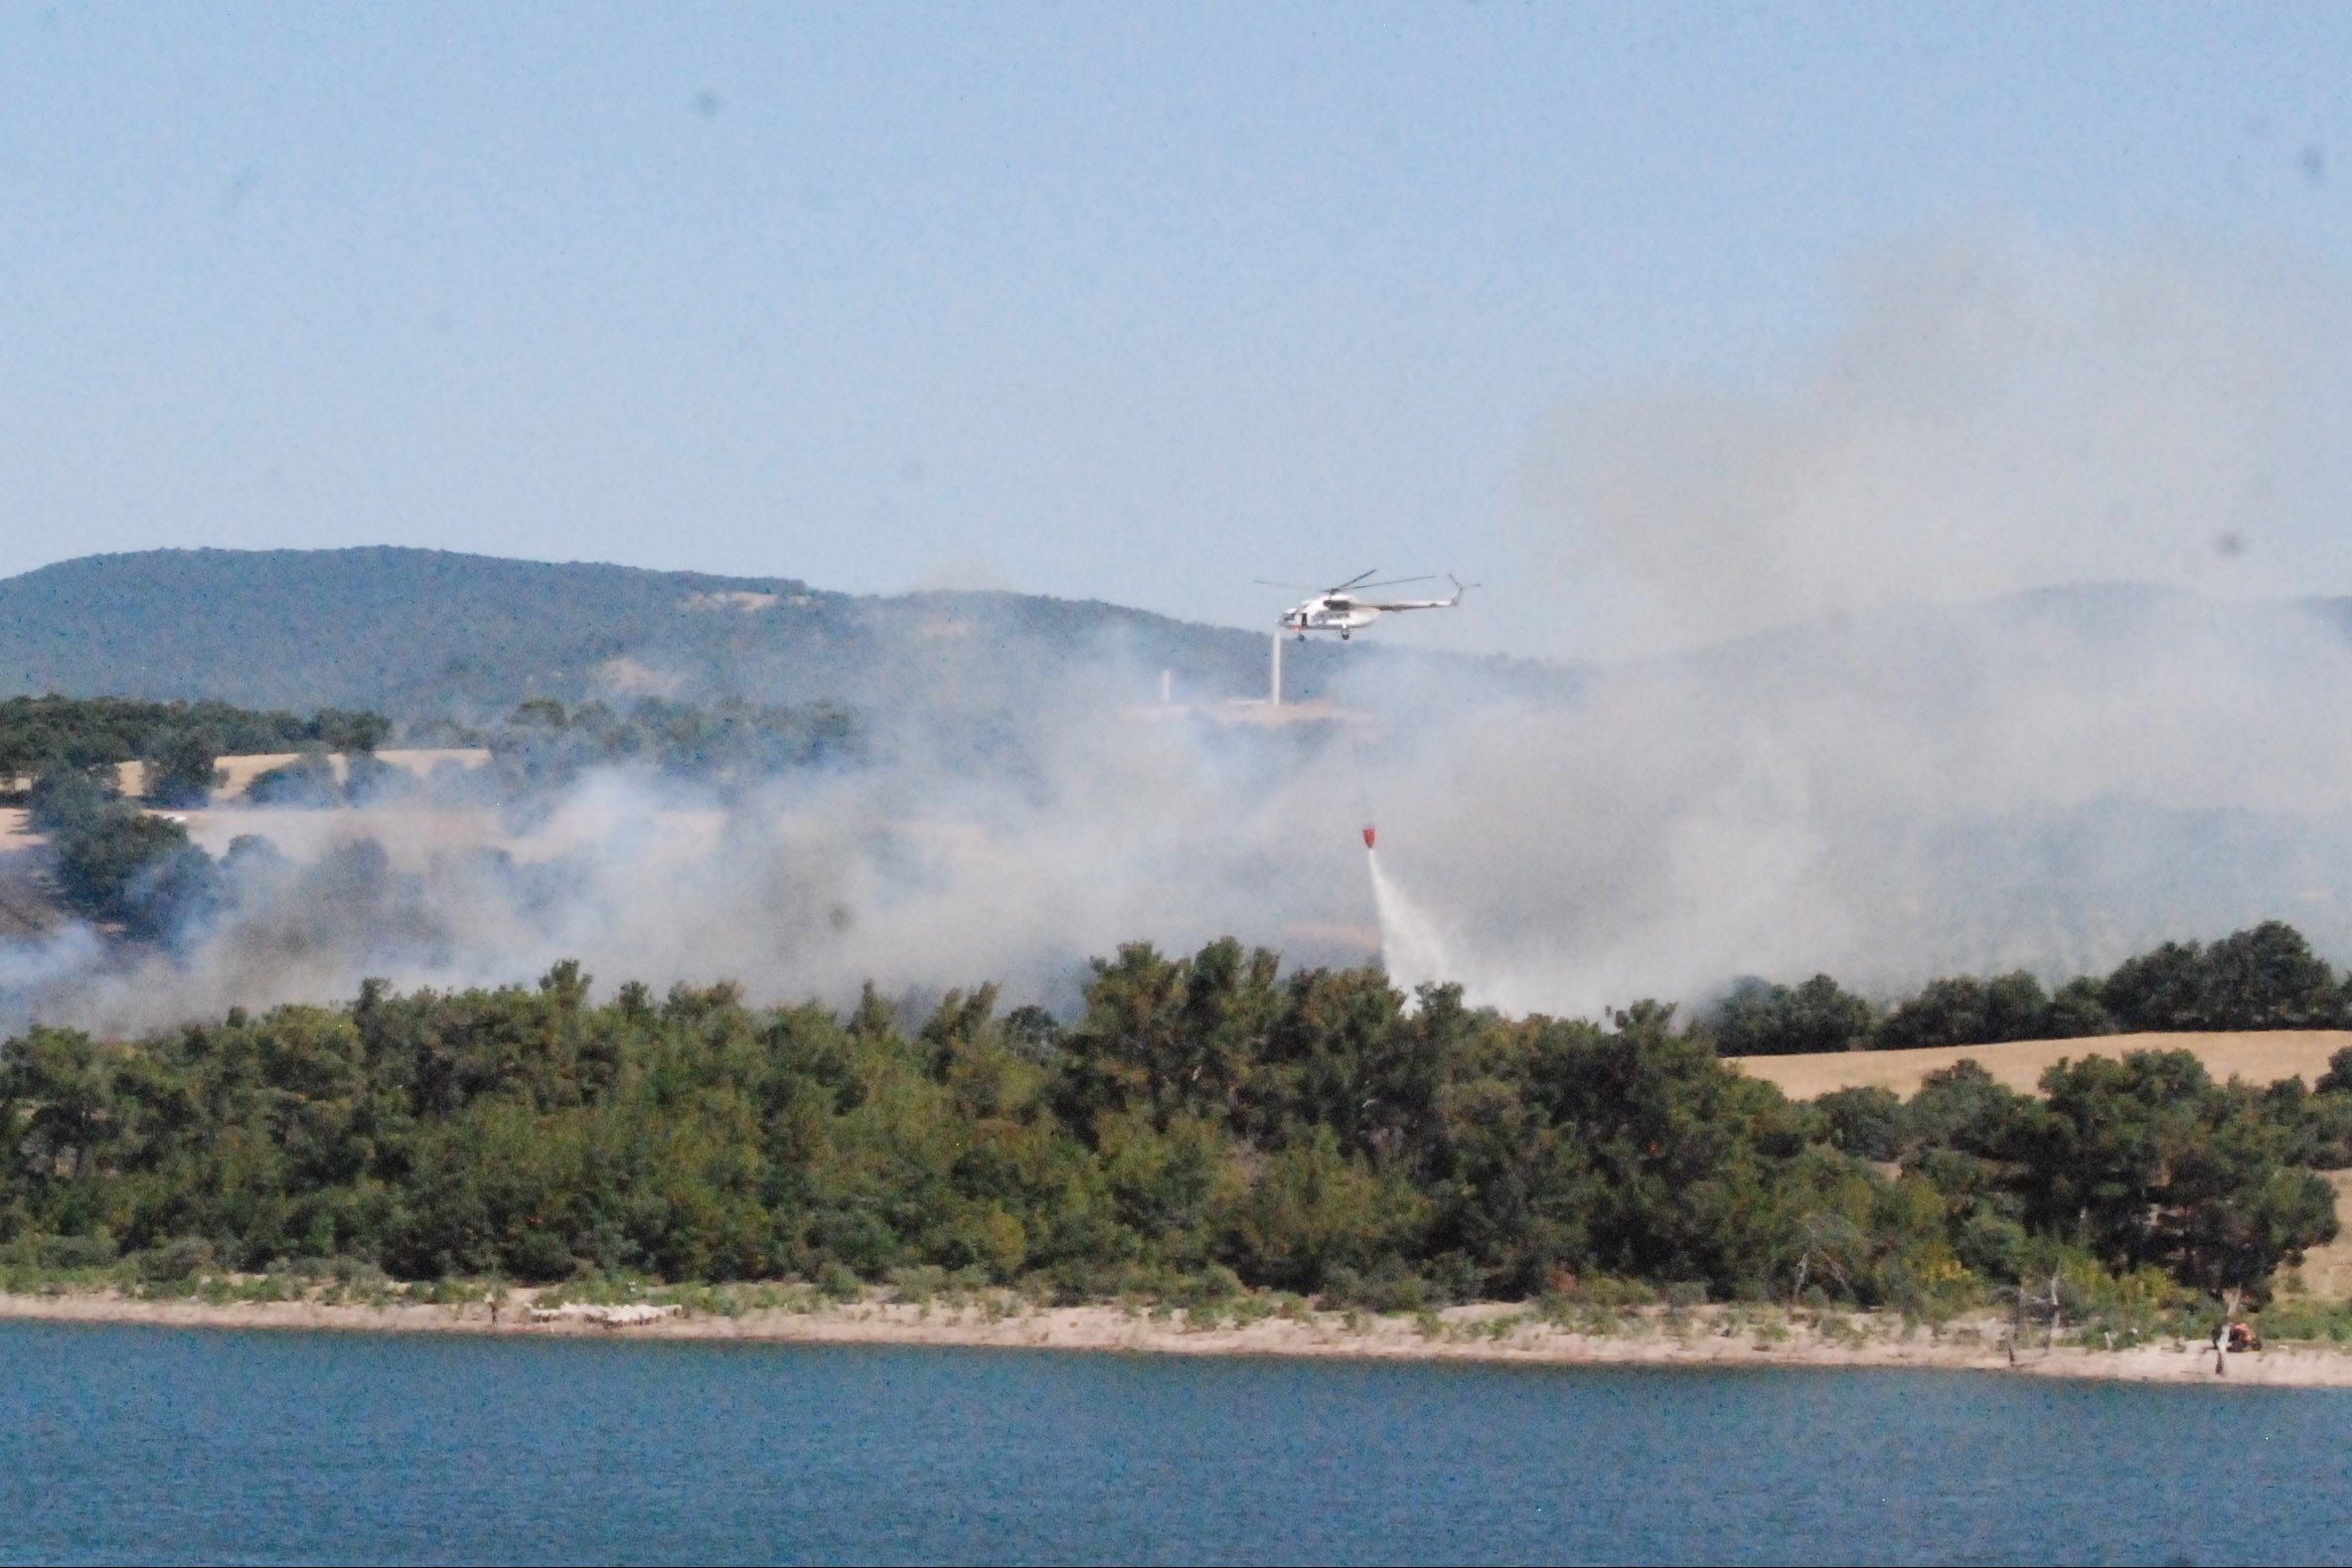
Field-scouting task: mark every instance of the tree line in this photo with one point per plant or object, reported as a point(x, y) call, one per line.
point(124, 867)
point(543, 743)
point(2266, 977)
point(1208, 1119)
point(179, 741)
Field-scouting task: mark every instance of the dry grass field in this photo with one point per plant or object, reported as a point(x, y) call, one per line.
point(238, 772)
point(2257, 1055)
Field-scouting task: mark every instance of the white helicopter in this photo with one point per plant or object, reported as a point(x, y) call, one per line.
point(1337, 610)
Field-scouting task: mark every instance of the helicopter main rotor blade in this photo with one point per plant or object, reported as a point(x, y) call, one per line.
point(1357, 581)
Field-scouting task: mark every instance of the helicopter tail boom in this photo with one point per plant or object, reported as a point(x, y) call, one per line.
point(1459, 587)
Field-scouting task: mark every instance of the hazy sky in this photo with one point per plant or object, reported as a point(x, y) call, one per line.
point(1140, 303)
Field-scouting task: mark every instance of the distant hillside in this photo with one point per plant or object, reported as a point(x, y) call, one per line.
point(429, 633)
point(420, 634)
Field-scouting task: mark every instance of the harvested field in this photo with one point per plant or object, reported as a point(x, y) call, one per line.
point(2257, 1055)
point(238, 772)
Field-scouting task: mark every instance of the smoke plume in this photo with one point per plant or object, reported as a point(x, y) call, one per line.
point(1988, 417)
point(1970, 644)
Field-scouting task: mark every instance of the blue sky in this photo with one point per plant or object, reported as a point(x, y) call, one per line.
point(1102, 301)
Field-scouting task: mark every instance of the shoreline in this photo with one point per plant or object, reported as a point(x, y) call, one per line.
point(1487, 1333)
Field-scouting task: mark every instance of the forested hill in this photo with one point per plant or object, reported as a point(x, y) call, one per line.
point(429, 633)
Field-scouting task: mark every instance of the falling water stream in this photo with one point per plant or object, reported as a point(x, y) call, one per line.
point(1412, 948)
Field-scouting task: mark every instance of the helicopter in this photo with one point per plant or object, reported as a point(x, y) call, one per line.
point(1337, 610)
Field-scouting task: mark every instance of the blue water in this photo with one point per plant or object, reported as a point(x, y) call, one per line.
point(150, 1444)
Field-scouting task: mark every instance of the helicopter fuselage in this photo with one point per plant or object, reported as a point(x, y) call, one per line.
point(1338, 611)
point(1331, 613)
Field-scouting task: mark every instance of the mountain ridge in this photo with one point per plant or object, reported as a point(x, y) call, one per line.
point(431, 634)
point(419, 632)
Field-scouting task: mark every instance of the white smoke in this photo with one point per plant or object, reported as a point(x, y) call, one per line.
point(1970, 754)
point(1992, 416)
point(1955, 762)
point(918, 873)
point(2049, 783)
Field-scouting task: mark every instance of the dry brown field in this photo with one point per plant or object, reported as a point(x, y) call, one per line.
point(2257, 1055)
point(238, 772)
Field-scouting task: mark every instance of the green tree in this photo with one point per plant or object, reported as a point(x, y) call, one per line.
point(2268, 978)
point(2079, 1010)
point(1759, 1019)
point(1316, 1210)
point(1867, 1122)
point(140, 872)
point(181, 773)
point(2148, 1161)
point(351, 731)
point(308, 781)
point(2159, 989)
point(1174, 1036)
point(65, 799)
point(1969, 1012)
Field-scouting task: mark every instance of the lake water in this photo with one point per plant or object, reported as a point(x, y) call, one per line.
point(151, 1444)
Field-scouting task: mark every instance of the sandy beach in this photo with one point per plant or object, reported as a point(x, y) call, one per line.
point(1705, 1337)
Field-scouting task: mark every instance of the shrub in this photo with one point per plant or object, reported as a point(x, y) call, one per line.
point(174, 1261)
point(1868, 1123)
